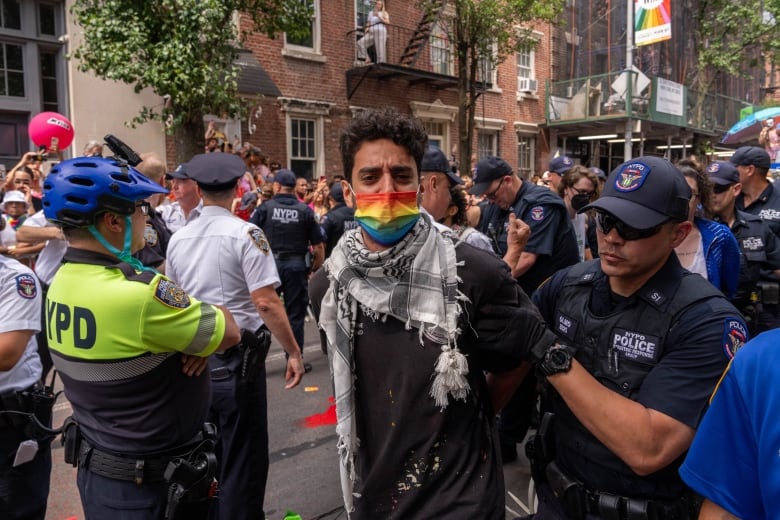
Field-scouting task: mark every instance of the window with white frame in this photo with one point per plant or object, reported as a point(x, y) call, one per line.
point(438, 135)
point(526, 152)
point(303, 147)
point(486, 68)
point(310, 42)
point(526, 73)
point(362, 8)
point(441, 50)
point(487, 144)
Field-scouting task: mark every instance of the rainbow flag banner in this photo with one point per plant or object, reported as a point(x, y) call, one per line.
point(652, 21)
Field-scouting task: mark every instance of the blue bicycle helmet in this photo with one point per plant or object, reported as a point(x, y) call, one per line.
point(77, 190)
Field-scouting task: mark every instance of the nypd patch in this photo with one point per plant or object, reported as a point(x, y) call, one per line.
point(734, 336)
point(26, 286)
point(537, 213)
point(636, 346)
point(631, 176)
point(170, 294)
point(713, 168)
point(150, 235)
point(257, 237)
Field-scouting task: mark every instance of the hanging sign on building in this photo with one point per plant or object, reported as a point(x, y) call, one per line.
point(652, 21)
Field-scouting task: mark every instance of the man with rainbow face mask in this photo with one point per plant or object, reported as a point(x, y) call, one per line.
point(413, 320)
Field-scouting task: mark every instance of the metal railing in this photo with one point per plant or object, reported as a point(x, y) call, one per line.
point(595, 98)
point(420, 50)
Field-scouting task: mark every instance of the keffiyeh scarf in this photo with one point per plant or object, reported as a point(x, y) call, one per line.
point(414, 281)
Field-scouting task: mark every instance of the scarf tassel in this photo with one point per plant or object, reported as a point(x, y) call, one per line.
point(451, 369)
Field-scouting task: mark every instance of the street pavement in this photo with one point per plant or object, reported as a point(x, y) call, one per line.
point(303, 476)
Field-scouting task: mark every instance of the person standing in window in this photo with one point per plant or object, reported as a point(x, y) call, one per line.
point(375, 33)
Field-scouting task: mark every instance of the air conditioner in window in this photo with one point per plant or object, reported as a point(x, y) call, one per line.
point(526, 85)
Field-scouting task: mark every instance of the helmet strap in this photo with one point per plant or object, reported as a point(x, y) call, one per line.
point(125, 254)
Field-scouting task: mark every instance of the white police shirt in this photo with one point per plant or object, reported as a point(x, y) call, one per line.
point(20, 308)
point(220, 259)
point(50, 257)
point(173, 215)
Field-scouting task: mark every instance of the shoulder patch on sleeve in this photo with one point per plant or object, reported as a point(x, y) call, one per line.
point(170, 294)
point(257, 237)
point(537, 213)
point(26, 286)
point(734, 336)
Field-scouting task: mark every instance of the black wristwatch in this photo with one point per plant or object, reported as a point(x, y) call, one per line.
point(556, 360)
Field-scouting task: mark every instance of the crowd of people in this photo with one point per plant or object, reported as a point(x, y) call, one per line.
point(458, 313)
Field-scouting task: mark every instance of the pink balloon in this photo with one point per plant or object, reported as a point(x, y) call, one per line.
point(51, 130)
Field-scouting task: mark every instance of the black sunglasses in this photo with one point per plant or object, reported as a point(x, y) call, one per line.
point(607, 222)
point(720, 188)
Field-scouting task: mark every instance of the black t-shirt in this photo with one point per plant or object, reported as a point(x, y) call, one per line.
point(415, 460)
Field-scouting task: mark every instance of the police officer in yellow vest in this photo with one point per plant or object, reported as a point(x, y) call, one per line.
point(130, 345)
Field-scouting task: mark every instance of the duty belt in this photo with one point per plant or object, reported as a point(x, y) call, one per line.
point(138, 470)
point(577, 501)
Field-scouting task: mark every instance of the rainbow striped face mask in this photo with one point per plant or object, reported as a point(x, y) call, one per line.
point(387, 217)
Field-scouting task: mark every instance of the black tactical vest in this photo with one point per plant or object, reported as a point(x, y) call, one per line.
point(619, 350)
point(286, 225)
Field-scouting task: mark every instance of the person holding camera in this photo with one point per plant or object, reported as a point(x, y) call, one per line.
point(239, 251)
point(291, 230)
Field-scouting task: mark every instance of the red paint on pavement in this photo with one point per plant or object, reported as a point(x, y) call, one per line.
point(326, 418)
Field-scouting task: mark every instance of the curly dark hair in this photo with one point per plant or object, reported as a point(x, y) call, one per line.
point(693, 169)
point(458, 195)
point(404, 130)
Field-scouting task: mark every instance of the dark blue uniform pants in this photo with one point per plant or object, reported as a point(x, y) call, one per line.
point(25, 488)
point(105, 498)
point(295, 287)
point(241, 416)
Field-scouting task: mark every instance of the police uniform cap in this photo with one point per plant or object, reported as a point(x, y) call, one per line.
point(750, 156)
point(179, 173)
point(216, 171)
point(645, 192)
point(723, 173)
point(598, 172)
point(285, 178)
point(434, 160)
point(561, 164)
point(489, 169)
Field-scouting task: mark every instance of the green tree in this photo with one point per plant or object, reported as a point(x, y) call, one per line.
point(484, 33)
point(184, 50)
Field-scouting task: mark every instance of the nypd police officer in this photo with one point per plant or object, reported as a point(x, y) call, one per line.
point(25, 462)
point(759, 247)
point(129, 344)
point(759, 196)
point(647, 342)
point(552, 246)
point(222, 258)
point(338, 219)
point(291, 229)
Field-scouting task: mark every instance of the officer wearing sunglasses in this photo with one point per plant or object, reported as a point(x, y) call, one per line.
point(648, 343)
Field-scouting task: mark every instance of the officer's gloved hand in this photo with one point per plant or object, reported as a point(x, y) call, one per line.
point(539, 349)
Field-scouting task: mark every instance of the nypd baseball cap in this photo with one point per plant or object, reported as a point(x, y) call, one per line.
point(723, 173)
point(286, 178)
point(489, 169)
point(247, 199)
point(561, 164)
point(434, 160)
point(750, 156)
point(179, 173)
point(645, 192)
